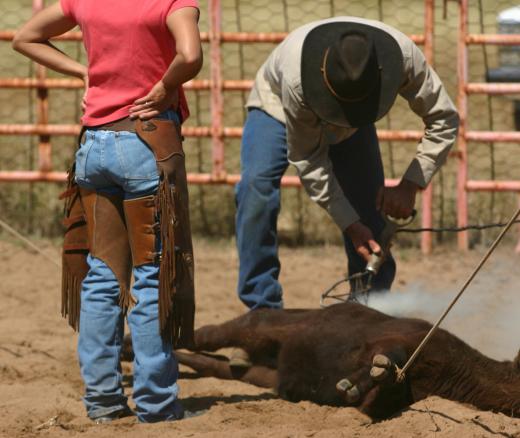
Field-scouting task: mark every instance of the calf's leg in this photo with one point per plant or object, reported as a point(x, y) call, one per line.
point(258, 331)
point(214, 366)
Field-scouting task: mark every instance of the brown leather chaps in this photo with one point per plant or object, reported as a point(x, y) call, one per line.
point(123, 234)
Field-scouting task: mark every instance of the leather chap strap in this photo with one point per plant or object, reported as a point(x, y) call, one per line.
point(74, 253)
point(108, 237)
point(140, 222)
point(176, 281)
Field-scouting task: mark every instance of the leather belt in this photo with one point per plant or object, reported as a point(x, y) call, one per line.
point(119, 125)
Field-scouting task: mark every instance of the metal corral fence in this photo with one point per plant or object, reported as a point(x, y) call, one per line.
point(37, 105)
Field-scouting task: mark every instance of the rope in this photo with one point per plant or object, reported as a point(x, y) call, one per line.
point(454, 229)
point(401, 372)
point(15, 233)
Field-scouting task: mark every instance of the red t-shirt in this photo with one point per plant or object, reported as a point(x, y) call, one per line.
point(129, 47)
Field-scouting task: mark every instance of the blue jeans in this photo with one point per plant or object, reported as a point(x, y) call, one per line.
point(120, 163)
point(358, 168)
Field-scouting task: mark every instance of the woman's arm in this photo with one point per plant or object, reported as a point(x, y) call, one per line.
point(32, 40)
point(183, 25)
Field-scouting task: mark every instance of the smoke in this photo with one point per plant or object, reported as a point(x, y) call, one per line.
point(412, 302)
point(487, 316)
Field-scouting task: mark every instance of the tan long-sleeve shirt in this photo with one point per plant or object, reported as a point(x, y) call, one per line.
point(277, 91)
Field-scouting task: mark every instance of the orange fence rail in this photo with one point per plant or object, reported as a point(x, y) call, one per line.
point(464, 184)
point(217, 86)
point(218, 133)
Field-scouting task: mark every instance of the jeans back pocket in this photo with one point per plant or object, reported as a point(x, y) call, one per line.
point(136, 158)
point(82, 154)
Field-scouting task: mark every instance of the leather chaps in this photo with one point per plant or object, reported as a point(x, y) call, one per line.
point(124, 234)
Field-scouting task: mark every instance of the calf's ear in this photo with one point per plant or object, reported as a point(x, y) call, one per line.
point(516, 362)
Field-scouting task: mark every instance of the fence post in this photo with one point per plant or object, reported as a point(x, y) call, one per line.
point(517, 249)
point(217, 105)
point(462, 104)
point(44, 144)
point(427, 196)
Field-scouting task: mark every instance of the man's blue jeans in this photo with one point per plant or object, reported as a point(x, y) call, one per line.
point(358, 168)
point(119, 163)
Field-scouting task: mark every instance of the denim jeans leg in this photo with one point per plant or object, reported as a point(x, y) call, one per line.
point(99, 343)
point(118, 162)
point(359, 170)
point(263, 161)
point(155, 388)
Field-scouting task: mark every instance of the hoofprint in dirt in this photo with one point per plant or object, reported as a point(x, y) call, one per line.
point(40, 386)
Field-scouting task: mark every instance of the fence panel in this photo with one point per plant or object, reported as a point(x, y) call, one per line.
point(41, 111)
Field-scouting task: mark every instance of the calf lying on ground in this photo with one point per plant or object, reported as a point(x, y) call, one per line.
point(346, 354)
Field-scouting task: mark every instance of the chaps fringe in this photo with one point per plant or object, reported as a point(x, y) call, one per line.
point(126, 299)
point(184, 305)
point(70, 298)
point(75, 250)
point(176, 291)
point(176, 306)
point(165, 206)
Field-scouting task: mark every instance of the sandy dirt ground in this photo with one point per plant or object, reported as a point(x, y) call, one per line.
point(40, 386)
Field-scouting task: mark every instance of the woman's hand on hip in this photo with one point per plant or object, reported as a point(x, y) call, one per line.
point(158, 100)
point(183, 25)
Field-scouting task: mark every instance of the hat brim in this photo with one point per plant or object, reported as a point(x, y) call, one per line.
point(320, 99)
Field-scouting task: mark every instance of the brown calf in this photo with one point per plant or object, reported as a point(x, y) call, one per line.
point(346, 354)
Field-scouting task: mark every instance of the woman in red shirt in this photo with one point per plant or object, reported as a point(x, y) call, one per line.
point(139, 54)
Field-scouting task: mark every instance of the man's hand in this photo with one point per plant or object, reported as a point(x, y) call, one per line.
point(159, 99)
point(398, 201)
point(363, 240)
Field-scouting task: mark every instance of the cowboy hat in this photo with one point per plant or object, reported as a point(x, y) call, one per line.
point(350, 72)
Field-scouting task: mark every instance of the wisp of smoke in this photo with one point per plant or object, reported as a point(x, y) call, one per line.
point(487, 316)
point(409, 303)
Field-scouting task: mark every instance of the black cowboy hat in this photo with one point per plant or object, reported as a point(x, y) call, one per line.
point(350, 72)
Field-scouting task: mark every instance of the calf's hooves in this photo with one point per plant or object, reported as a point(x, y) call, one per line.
point(343, 385)
point(349, 390)
point(353, 395)
point(381, 367)
point(380, 360)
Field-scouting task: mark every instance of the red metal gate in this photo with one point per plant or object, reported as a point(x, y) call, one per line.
point(465, 185)
point(217, 85)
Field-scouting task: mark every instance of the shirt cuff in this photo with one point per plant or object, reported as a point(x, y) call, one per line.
point(342, 213)
point(420, 171)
